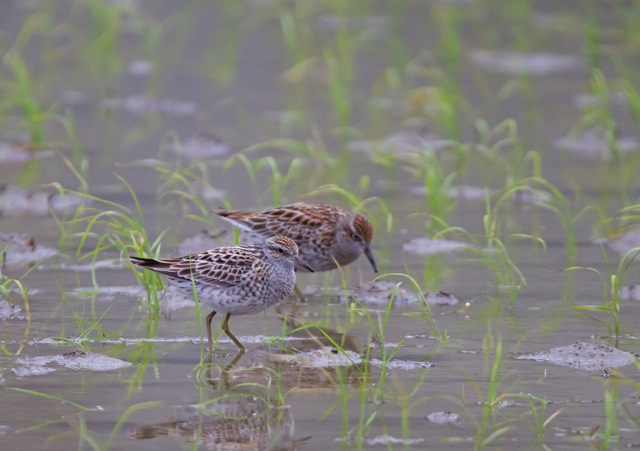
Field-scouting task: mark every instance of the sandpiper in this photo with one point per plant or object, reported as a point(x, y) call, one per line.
point(234, 280)
point(327, 236)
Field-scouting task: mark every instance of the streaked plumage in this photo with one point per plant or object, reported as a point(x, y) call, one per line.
point(234, 280)
point(325, 234)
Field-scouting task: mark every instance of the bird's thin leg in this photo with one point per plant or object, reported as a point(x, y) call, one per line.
point(209, 318)
point(225, 327)
point(299, 293)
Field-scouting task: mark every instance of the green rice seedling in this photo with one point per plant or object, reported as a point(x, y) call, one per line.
point(80, 409)
point(425, 311)
point(81, 337)
point(182, 187)
point(439, 104)
point(118, 229)
point(593, 42)
point(449, 22)
point(47, 396)
point(279, 181)
point(519, 17)
point(339, 60)
point(611, 432)
point(435, 269)
point(80, 173)
point(341, 79)
point(77, 152)
point(408, 400)
point(340, 381)
point(536, 417)
point(21, 89)
point(504, 269)
point(598, 112)
point(93, 30)
point(519, 20)
point(144, 356)
point(612, 305)
point(106, 22)
point(501, 146)
point(312, 151)
point(379, 329)
point(617, 175)
point(628, 215)
point(371, 402)
point(6, 283)
point(437, 185)
point(295, 26)
point(221, 56)
point(38, 25)
point(23, 95)
point(491, 250)
point(598, 115)
point(626, 405)
point(486, 430)
point(297, 29)
point(632, 96)
point(204, 351)
point(546, 196)
point(366, 416)
point(391, 86)
point(538, 422)
point(310, 163)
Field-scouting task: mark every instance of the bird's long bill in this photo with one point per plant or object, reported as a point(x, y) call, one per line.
point(299, 262)
point(372, 260)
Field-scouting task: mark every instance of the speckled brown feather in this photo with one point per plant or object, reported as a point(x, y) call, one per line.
point(363, 227)
point(221, 267)
point(323, 232)
point(234, 280)
point(296, 221)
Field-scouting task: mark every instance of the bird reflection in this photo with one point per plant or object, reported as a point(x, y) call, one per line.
point(290, 370)
point(236, 422)
point(242, 417)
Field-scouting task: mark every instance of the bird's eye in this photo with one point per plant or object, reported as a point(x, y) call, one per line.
point(355, 237)
point(280, 250)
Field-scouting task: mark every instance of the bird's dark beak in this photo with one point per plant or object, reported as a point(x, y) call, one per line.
point(299, 262)
point(372, 260)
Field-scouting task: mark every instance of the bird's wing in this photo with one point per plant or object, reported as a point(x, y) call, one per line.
point(222, 267)
point(297, 221)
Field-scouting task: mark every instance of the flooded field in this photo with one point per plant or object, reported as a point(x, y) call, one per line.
point(492, 145)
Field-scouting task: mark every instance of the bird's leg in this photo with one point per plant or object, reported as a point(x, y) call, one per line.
point(225, 327)
point(299, 293)
point(235, 360)
point(209, 318)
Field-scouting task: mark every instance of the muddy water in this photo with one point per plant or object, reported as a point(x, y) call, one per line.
point(133, 380)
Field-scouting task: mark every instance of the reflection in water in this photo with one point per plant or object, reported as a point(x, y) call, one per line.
point(261, 367)
point(313, 337)
point(241, 420)
point(291, 371)
point(238, 422)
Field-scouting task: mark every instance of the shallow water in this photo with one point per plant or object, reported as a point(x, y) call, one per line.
point(138, 78)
